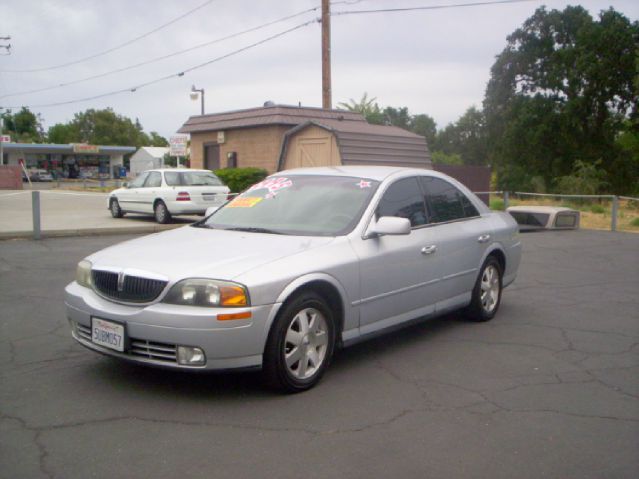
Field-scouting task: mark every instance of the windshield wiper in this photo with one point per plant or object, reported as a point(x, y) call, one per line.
point(254, 230)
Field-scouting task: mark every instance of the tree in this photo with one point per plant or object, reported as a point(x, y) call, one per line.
point(103, 127)
point(368, 107)
point(424, 125)
point(24, 126)
point(465, 138)
point(559, 92)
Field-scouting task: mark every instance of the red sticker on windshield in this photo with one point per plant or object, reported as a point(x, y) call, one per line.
point(273, 185)
point(363, 184)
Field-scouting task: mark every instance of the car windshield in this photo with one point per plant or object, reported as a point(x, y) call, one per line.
point(191, 178)
point(297, 205)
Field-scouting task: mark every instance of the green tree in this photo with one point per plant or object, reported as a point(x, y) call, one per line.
point(424, 125)
point(559, 92)
point(368, 107)
point(23, 126)
point(103, 127)
point(466, 138)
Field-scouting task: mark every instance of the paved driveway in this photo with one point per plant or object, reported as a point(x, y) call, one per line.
point(549, 388)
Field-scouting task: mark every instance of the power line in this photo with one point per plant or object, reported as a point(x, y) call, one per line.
point(173, 75)
point(428, 7)
point(117, 47)
point(163, 57)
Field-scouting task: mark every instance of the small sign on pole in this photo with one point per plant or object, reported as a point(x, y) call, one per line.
point(5, 138)
point(177, 145)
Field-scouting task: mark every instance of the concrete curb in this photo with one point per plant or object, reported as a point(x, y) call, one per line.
point(9, 235)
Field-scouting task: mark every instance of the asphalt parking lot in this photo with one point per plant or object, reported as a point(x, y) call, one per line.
point(549, 388)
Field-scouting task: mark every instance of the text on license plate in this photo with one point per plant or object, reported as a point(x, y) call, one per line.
point(209, 196)
point(107, 334)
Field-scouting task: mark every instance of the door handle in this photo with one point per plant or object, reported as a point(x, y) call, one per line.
point(429, 249)
point(483, 238)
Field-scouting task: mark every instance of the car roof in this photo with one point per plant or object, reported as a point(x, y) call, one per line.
point(179, 170)
point(378, 173)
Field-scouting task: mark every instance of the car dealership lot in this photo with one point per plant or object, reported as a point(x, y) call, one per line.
point(549, 388)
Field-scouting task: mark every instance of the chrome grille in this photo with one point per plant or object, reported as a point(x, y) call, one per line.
point(84, 332)
point(153, 350)
point(134, 289)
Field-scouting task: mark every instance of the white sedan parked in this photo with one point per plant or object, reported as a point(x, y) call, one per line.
point(169, 192)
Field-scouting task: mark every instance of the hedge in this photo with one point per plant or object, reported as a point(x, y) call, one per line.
point(238, 179)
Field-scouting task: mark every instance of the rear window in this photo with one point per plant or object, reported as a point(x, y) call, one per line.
point(191, 178)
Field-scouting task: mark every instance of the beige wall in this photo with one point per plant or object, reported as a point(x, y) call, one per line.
point(312, 146)
point(257, 146)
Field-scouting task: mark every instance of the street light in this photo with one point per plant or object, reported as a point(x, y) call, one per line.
point(194, 94)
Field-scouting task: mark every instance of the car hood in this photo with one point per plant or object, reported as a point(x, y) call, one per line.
point(201, 252)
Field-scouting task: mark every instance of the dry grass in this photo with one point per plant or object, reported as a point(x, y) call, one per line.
point(595, 214)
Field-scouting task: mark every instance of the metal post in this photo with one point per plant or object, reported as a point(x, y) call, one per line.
point(505, 200)
point(1, 143)
point(35, 207)
point(615, 209)
point(202, 101)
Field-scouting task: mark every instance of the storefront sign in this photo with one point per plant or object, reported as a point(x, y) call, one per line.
point(5, 139)
point(84, 148)
point(178, 145)
point(221, 137)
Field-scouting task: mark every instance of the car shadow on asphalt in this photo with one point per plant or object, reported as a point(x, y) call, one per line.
point(199, 385)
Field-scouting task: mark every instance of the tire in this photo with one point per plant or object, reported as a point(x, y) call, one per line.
point(116, 211)
point(294, 361)
point(487, 292)
point(161, 213)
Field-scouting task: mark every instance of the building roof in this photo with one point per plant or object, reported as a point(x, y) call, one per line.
point(361, 143)
point(55, 148)
point(266, 115)
point(155, 151)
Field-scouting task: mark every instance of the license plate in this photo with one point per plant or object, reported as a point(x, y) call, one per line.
point(209, 196)
point(107, 334)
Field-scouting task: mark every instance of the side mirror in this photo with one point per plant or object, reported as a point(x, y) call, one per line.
point(125, 184)
point(389, 225)
point(210, 210)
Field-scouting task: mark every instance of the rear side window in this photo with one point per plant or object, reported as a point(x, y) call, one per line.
point(191, 178)
point(404, 199)
point(445, 201)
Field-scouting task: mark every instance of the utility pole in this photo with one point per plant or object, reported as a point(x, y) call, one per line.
point(327, 92)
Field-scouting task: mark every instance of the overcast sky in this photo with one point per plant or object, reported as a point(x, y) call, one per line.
point(435, 62)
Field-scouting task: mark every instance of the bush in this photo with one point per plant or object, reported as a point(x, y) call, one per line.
point(597, 209)
point(238, 179)
point(497, 204)
point(635, 222)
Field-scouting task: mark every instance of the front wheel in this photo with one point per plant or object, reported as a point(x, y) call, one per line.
point(116, 211)
point(487, 291)
point(300, 344)
point(161, 213)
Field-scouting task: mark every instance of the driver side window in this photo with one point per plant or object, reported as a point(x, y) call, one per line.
point(404, 199)
point(139, 180)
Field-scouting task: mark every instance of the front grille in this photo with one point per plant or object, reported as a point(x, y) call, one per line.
point(135, 289)
point(153, 350)
point(163, 352)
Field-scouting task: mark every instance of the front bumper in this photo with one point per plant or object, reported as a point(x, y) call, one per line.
point(155, 331)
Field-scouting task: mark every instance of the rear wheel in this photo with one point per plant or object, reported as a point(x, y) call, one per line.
point(300, 344)
point(116, 211)
point(487, 292)
point(161, 213)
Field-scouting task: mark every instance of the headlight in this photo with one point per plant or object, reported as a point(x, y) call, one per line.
point(207, 292)
point(83, 274)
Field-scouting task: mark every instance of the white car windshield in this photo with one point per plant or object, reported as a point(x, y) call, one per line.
point(297, 205)
point(191, 178)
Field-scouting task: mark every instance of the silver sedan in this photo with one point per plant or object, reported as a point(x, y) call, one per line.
point(299, 264)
